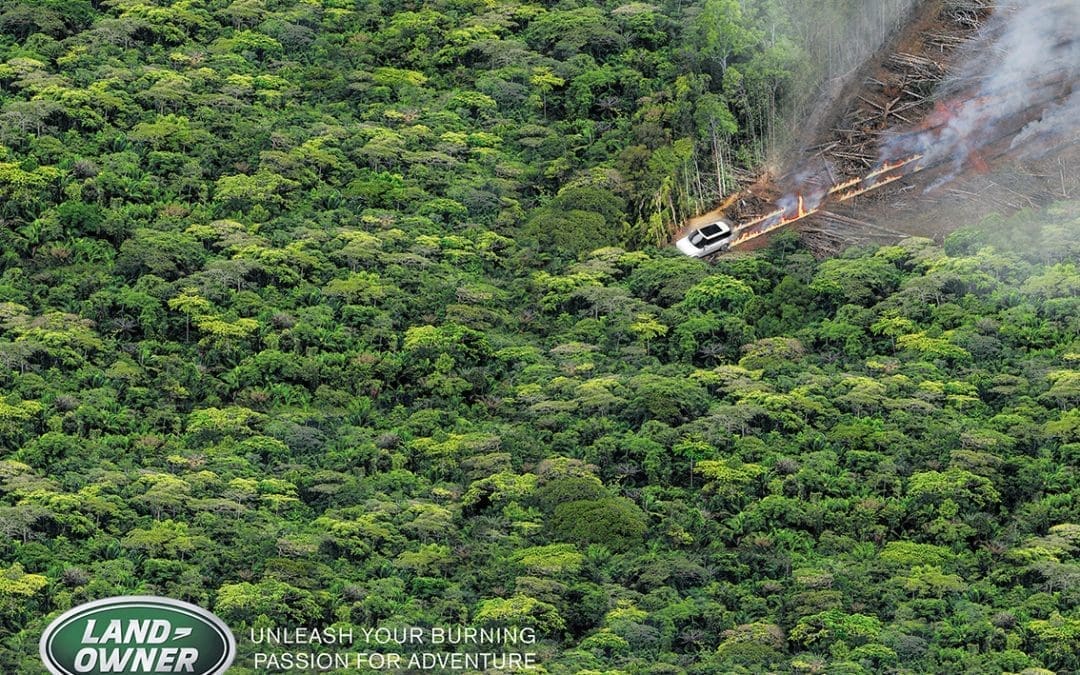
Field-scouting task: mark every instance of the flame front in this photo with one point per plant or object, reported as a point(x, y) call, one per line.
point(840, 192)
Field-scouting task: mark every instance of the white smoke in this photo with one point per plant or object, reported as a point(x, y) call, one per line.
point(1057, 127)
point(810, 182)
point(1016, 81)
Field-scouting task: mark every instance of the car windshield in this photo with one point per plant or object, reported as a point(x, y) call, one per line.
point(697, 240)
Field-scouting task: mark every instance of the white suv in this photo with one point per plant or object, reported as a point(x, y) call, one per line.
point(705, 240)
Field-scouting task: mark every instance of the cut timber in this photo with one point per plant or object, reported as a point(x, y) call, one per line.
point(895, 87)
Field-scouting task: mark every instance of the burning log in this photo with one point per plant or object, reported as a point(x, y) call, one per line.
point(887, 173)
point(802, 205)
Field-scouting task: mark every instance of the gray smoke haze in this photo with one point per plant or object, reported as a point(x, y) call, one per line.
point(838, 37)
point(841, 36)
point(1016, 82)
point(1057, 127)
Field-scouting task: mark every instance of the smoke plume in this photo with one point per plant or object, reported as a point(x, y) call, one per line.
point(1015, 84)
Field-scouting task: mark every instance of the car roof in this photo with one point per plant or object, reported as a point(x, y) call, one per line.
point(713, 229)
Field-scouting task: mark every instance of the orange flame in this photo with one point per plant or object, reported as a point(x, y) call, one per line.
point(800, 212)
point(889, 166)
point(846, 184)
point(850, 194)
point(840, 192)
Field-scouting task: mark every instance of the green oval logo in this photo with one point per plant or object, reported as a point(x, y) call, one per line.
point(137, 634)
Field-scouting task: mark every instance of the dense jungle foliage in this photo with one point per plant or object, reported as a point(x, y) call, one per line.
point(324, 312)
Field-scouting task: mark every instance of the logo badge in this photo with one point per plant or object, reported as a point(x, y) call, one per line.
point(137, 634)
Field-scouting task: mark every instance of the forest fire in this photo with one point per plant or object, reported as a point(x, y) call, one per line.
point(955, 132)
point(795, 207)
point(991, 79)
point(801, 210)
point(889, 166)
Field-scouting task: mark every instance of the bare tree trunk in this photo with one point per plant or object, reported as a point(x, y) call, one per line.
point(688, 197)
point(698, 198)
point(718, 160)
